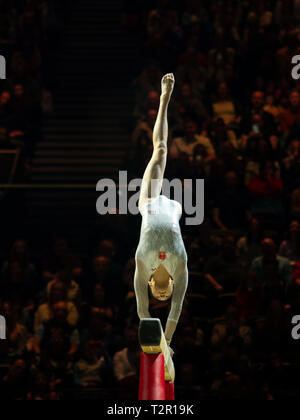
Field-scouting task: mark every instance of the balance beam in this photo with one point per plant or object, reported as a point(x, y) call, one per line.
point(157, 373)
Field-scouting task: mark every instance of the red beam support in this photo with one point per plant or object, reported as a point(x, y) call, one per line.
point(170, 391)
point(152, 378)
point(157, 373)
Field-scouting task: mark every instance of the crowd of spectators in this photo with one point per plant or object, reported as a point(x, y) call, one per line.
point(71, 326)
point(30, 31)
point(234, 121)
point(71, 321)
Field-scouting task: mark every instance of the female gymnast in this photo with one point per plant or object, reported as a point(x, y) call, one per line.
point(161, 258)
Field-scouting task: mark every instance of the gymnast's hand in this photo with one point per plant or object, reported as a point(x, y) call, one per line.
point(171, 352)
point(167, 84)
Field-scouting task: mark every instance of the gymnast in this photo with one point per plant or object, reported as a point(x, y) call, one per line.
point(161, 259)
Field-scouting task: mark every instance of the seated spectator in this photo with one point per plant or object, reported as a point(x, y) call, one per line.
point(128, 273)
point(142, 139)
point(15, 384)
point(195, 76)
point(293, 154)
point(291, 166)
point(271, 107)
point(258, 134)
point(256, 150)
point(249, 247)
point(163, 35)
point(191, 55)
point(274, 272)
point(107, 272)
point(142, 136)
point(223, 107)
point(205, 244)
point(148, 81)
point(126, 364)
point(230, 216)
point(189, 106)
point(43, 389)
point(295, 203)
point(5, 98)
point(268, 126)
point(249, 300)
point(187, 378)
point(20, 75)
point(73, 289)
point(184, 147)
point(99, 300)
point(100, 331)
point(18, 275)
point(59, 259)
point(290, 248)
point(128, 305)
point(151, 102)
point(294, 292)
point(266, 191)
point(188, 347)
point(230, 326)
point(221, 58)
point(57, 292)
point(162, 15)
point(91, 370)
point(228, 364)
point(289, 117)
point(271, 332)
point(57, 342)
point(16, 334)
point(21, 115)
point(107, 248)
point(223, 138)
point(101, 268)
point(224, 272)
point(191, 13)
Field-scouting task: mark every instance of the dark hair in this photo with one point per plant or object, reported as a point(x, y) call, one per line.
point(13, 253)
point(64, 289)
point(249, 230)
point(190, 121)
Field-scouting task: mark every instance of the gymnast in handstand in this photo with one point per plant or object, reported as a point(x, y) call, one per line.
point(161, 259)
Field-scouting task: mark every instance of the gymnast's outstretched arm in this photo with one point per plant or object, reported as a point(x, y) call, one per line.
point(141, 290)
point(180, 288)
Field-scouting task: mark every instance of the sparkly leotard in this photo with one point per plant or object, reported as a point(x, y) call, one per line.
point(161, 243)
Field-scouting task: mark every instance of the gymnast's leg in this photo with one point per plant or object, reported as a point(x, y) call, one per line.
point(154, 174)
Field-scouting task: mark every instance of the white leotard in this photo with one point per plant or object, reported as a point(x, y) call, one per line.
point(161, 243)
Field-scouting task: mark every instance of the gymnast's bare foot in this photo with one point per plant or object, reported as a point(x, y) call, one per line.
point(167, 85)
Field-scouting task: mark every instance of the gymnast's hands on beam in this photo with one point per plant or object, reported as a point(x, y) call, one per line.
point(171, 352)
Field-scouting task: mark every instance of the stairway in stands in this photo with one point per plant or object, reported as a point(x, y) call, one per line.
point(85, 139)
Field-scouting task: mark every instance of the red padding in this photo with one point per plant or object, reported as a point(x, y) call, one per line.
point(152, 378)
point(170, 391)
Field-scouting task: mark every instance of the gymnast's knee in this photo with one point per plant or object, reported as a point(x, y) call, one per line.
point(161, 150)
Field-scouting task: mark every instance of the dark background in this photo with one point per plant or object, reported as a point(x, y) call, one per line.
point(78, 105)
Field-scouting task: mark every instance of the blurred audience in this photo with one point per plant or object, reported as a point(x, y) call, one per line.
point(235, 122)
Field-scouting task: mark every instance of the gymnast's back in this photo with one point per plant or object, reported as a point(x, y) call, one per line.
point(161, 237)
